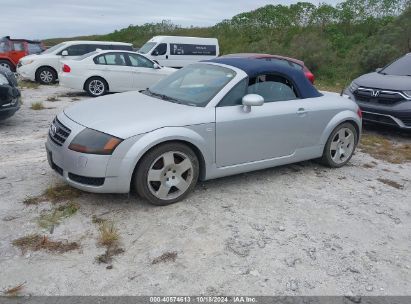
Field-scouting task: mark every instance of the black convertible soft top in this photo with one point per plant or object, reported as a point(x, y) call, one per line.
point(254, 67)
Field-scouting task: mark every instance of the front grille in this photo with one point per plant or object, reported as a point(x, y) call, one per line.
point(405, 118)
point(91, 181)
point(58, 132)
point(378, 96)
point(379, 118)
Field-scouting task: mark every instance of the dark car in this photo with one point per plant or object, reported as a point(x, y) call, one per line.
point(385, 95)
point(9, 94)
point(291, 62)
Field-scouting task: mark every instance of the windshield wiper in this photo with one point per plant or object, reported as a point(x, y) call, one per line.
point(165, 97)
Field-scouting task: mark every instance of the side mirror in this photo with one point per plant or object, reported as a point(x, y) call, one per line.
point(378, 70)
point(252, 100)
point(64, 53)
point(156, 66)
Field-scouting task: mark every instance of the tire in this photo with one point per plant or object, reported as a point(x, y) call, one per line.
point(96, 86)
point(167, 174)
point(6, 64)
point(340, 146)
point(46, 75)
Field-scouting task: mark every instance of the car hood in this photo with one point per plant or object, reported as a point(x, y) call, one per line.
point(38, 56)
point(384, 82)
point(132, 113)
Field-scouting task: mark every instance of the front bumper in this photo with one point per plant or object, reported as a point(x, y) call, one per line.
point(86, 172)
point(397, 115)
point(8, 111)
point(26, 72)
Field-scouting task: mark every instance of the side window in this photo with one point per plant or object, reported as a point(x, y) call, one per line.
point(18, 46)
point(79, 49)
point(100, 60)
point(235, 96)
point(272, 88)
point(140, 61)
point(161, 49)
point(115, 59)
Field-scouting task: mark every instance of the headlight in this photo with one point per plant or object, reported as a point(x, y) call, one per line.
point(25, 62)
point(353, 87)
point(408, 93)
point(3, 80)
point(94, 142)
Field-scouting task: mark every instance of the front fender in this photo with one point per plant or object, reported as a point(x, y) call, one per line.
point(124, 161)
point(338, 119)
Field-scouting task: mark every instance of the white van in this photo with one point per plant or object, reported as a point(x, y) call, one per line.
point(179, 51)
point(45, 66)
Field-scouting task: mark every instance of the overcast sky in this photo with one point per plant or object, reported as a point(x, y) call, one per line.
point(38, 19)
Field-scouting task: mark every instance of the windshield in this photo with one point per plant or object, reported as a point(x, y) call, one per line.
point(400, 67)
point(194, 85)
point(147, 47)
point(54, 48)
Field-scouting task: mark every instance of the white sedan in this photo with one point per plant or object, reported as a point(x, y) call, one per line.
point(101, 72)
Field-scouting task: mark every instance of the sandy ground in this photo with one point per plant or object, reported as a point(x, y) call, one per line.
point(301, 229)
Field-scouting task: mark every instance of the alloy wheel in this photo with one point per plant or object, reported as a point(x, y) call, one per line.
point(46, 76)
point(342, 145)
point(96, 87)
point(170, 175)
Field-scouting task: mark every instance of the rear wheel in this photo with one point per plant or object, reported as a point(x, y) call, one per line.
point(340, 146)
point(6, 64)
point(96, 87)
point(46, 75)
point(167, 174)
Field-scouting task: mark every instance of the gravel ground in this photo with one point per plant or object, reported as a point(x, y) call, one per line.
point(301, 229)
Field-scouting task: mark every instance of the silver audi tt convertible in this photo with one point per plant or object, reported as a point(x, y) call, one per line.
point(207, 120)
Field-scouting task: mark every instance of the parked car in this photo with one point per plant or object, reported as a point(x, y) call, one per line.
point(9, 94)
point(12, 50)
point(44, 67)
point(295, 63)
point(385, 95)
point(211, 119)
point(100, 72)
point(179, 51)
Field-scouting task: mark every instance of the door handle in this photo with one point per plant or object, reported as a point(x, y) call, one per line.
point(166, 56)
point(301, 111)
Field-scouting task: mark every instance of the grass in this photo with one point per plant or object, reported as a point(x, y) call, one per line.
point(382, 148)
point(52, 99)
point(14, 291)
point(108, 234)
point(37, 106)
point(108, 237)
point(323, 86)
point(28, 84)
point(36, 242)
point(48, 220)
point(57, 193)
point(165, 257)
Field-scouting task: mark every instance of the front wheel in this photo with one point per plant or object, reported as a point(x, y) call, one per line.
point(96, 87)
point(340, 146)
point(46, 75)
point(167, 174)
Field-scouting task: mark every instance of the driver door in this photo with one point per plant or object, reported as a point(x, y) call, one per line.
point(265, 132)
